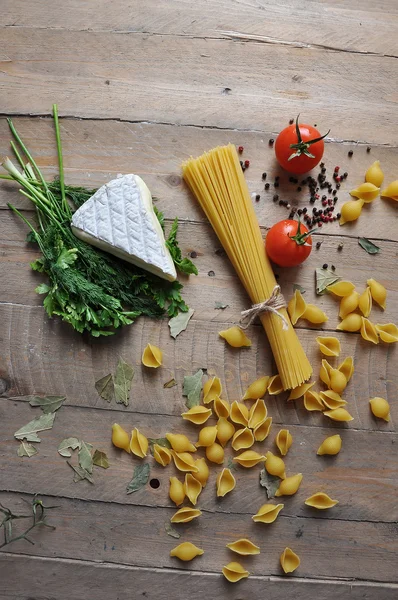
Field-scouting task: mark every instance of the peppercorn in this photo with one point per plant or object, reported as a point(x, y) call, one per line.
point(368, 149)
point(323, 170)
point(277, 178)
point(338, 186)
point(271, 142)
point(275, 198)
point(350, 153)
point(318, 245)
point(324, 202)
point(280, 202)
point(312, 200)
point(291, 179)
point(299, 212)
point(304, 209)
point(291, 215)
point(276, 184)
point(325, 266)
point(336, 169)
point(323, 197)
point(266, 187)
point(240, 149)
point(193, 254)
point(257, 197)
point(333, 268)
point(338, 179)
point(243, 168)
point(264, 176)
point(314, 210)
point(247, 163)
point(340, 246)
point(345, 175)
point(299, 189)
point(338, 215)
point(322, 164)
point(291, 121)
point(335, 199)
point(334, 192)
point(319, 224)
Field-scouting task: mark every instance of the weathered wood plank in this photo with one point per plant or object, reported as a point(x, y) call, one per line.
point(354, 27)
point(190, 89)
point(363, 477)
point(72, 579)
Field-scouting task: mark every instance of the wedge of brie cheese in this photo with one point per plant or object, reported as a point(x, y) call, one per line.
point(120, 219)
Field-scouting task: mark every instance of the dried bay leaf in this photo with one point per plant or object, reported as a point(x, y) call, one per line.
point(85, 458)
point(369, 246)
point(67, 443)
point(160, 442)
point(192, 388)
point(220, 305)
point(180, 322)
point(122, 382)
point(231, 465)
point(29, 431)
point(169, 384)
point(48, 404)
point(100, 459)
point(171, 531)
point(105, 387)
point(26, 449)
point(80, 473)
point(324, 278)
point(269, 482)
point(298, 287)
point(140, 478)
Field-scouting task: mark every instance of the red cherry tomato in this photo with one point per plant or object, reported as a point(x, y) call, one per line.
point(299, 148)
point(288, 243)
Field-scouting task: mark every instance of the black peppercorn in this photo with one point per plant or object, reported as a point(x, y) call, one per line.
point(333, 268)
point(318, 245)
point(337, 186)
point(350, 153)
point(257, 197)
point(266, 187)
point(264, 176)
point(368, 149)
point(299, 189)
point(325, 266)
point(275, 198)
point(271, 142)
point(304, 209)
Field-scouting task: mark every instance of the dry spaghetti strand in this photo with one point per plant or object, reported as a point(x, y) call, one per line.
point(217, 181)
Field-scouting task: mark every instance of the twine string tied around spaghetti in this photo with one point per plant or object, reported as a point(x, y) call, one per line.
point(273, 304)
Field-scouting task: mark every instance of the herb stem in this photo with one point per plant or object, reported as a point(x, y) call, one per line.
point(27, 153)
point(60, 161)
point(17, 155)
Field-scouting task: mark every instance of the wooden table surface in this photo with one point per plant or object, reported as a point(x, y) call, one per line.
point(141, 86)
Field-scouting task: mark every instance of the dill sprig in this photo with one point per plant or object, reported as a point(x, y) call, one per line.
point(37, 516)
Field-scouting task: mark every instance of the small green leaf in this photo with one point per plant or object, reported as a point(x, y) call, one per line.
point(48, 404)
point(100, 459)
point(171, 531)
point(140, 478)
point(26, 449)
point(122, 382)
point(105, 387)
point(369, 246)
point(220, 305)
point(324, 278)
point(29, 431)
point(85, 458)
point(67, 443)
point(180, 322)
point(269, 482)
point(298, 287)
point(231, 465)
point(80, 473)
point(192, 388)
point(169, 384)
point(160, 442)
point(43, 288)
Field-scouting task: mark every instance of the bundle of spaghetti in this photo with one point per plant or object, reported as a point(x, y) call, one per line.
point(217, 181)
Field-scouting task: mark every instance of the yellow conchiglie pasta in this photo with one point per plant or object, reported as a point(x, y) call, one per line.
point(375, 174)
point(152, 357)
point(347, 367)
point(275, 465)
point(138, 443)
point(184, 462)
point(257, 389)
point(380, 408)
point(348, 304)
point(366, 191)
point(369, 331)
point(235, 337)
point(275, 385)
point(283, 441)
point(192, 488)
point(391, 191)
point(388, 333)
point(378, 291)
point(239, 413)
point(296, 307)
point(300, 390)
point(234, 572)
point(289, 486)
point(365, 302)
point(350, 211)
point(321, 501)
point(202, 473)
point(225, 482)
point(257, 413)
point(176, 491)
point(120, 438)
point(267, 513)
point(211, 389)
point(332, 399)
point(315, 315)
point(243, 438)
point(180, 443)
point(222, 408)
point(225, 430)
point(162, 455)
point(186, 551)
point(338, 381)
point(207, 436)
point(197, 415)
point(244, 547)
point(324, 373)
point(339, 414)
point(329, 346)
point(185, 515)
point(262, 430)
point(331, 445)
point(351, 322)
point(312, 401)
point(289, 560)
point(249, 459)
point(341, 288)
point(215, 453)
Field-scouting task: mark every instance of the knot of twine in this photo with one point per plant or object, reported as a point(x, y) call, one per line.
point(273, 304)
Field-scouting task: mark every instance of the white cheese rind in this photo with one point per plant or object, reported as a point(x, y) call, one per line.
point(119, 218)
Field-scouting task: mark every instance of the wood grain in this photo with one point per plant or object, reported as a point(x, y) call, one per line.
point(355, 26)
point(191, 88)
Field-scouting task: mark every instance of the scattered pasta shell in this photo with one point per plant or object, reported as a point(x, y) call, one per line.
point(289, 486)
point(235, 337)
point(380, 408)
point(225, 430)
point(315, 315)
point(225, 482)
point(152, 357)
point(350, 211)
point(366, 191)
point(192, 488)
point(391, 191)
point(321, 501)
point(283, 441)
point(347, 367)
point(120, 438)
point(388, 333)
point(332, 399)
point(249, 458)
point(184, 462)
point(351, 322)
point(369, 331)
point(202, 473)
point(341, 288)
point(289, 560)
point(338, 381)
point(180, 443)
point(348, 304)
point(244, 547)
point(222, 408)
point(300, 390)
point(257, 389)
point(339, 414)
point(243, 438)
point(176, 491)
point(275, 386)
point(162, 455)
point(257, 414)
point(234, 572)
point(215, 453)
point(274, 465)
point(207, 436)
point(138, 443)
point(296, 307)
point(324, 373)
point(186, 551)
point(211, 389)
point(312, 401)
point(239, 413)
point(331, 445)
point(378, 291)
point(375, 174)
point(185, 515)
point(267, 513)
point(329, 346)
point(197, 415)
point(262, 430)
point(365, 302)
